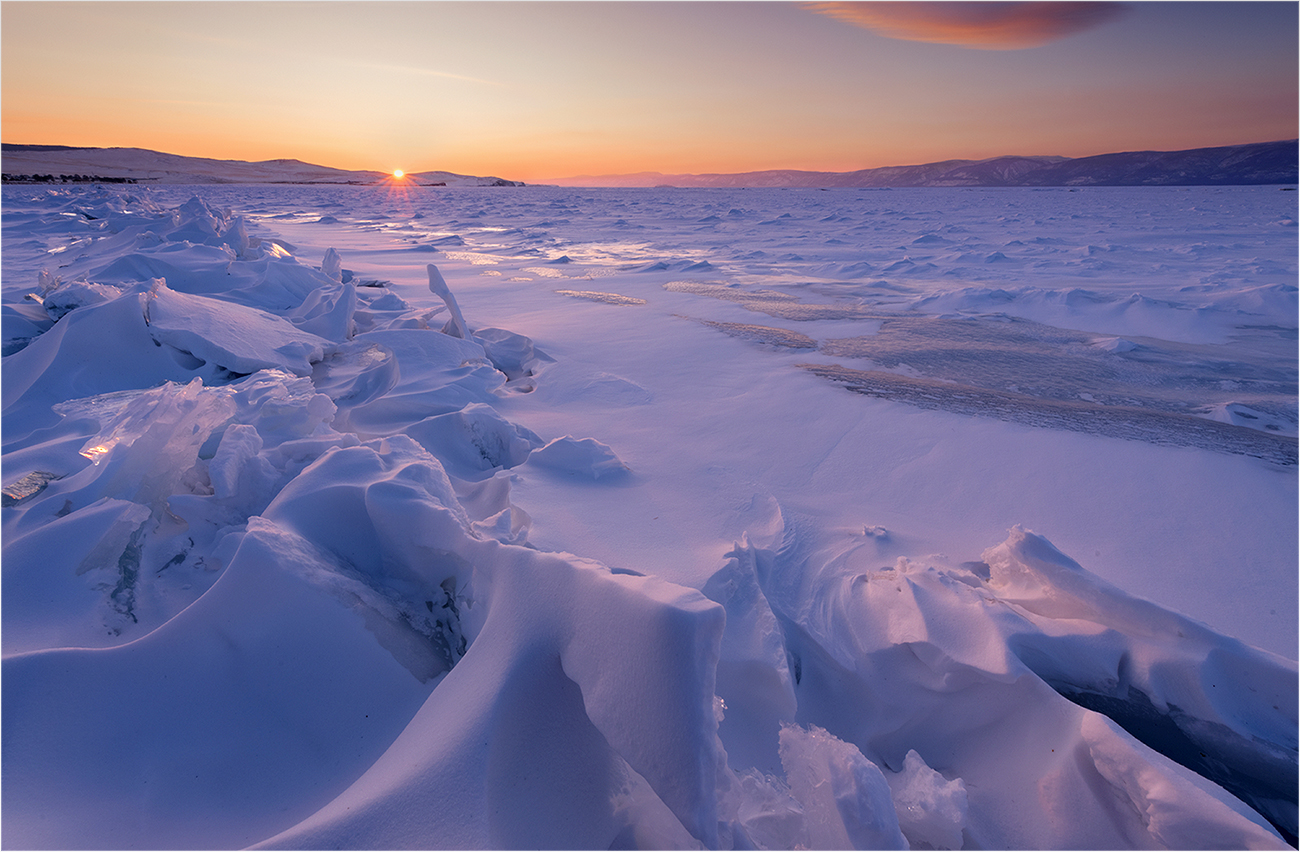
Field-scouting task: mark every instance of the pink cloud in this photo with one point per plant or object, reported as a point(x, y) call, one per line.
point(983, 25)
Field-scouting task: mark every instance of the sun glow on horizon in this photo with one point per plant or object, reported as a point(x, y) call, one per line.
point(398, 174)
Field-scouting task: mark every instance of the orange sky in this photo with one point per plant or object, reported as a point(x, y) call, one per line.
point(535, 90)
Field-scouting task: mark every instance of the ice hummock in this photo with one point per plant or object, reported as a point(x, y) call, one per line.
point(287, 566)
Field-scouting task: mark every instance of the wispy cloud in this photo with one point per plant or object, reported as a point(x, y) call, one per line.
point(421, 72)
point(982, 25)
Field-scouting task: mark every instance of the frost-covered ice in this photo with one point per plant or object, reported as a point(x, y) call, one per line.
point(362, 518)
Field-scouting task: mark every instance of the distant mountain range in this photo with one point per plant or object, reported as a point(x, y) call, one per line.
point(1260, 163)
point(138, 165)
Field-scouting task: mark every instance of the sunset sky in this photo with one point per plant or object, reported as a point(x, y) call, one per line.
point(538, 90)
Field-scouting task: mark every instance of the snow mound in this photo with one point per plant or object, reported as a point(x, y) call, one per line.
point(475, 440)
point(1239, 414)
point(513, 354)
point(583, 457)
point(1114, 344)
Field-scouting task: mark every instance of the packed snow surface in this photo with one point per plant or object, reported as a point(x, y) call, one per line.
point(341, 517)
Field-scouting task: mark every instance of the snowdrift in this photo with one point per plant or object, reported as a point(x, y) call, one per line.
point(266, 584)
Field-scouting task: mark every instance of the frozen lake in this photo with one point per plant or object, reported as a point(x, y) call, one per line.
point(1174, 300)
point(648, 502)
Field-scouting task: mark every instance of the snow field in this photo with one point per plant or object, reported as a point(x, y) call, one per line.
point(405, 554)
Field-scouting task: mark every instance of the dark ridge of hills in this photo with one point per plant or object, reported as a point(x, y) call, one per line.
point(63, 163)
point(1229, 165)
point(9, 146)
point(1262, 163)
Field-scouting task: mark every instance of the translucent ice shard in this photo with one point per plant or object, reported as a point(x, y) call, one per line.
point(438, 286)
point(27, 486)
point(845, 797)
point(154, 438)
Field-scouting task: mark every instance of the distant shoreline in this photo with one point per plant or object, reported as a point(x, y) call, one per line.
point(1256, 164)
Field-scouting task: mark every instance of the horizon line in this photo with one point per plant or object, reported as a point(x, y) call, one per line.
point(641, 172)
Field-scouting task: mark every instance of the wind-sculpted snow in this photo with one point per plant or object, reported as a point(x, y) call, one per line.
point(970, 655)
point(372, 552)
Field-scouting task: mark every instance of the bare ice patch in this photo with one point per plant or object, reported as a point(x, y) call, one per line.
point(606, 298)
point(764, 334)
point(773, 303)
point(1117, 421)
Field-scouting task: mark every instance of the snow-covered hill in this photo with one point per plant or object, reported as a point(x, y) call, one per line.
point(145, 166)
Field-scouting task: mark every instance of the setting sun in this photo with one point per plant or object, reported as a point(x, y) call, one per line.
point(399, 174)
